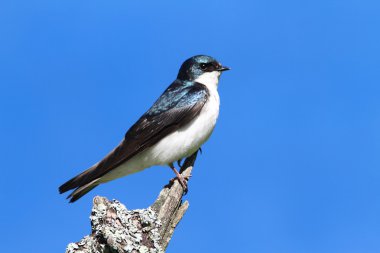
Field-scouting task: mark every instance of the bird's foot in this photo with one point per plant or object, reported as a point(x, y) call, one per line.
point(181, 179)
point(171, 181)
point(183, 183)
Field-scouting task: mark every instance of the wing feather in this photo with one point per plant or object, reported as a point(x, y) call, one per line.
point(176, 107)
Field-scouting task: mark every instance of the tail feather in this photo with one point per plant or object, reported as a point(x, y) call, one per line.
point(68, 185)
point(77, 181)
point(81, 191)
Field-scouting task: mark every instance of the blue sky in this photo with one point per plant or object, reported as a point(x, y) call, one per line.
point(292, 166)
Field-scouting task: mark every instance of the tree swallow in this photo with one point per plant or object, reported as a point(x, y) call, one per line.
point(175, 127)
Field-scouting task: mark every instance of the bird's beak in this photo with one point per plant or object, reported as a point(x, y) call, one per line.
point(223, 68)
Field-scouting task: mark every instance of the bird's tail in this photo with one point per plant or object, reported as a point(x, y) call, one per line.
point(82, 184)
point(82, 190)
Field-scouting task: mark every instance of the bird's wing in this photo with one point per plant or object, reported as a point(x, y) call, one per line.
point(176, 107)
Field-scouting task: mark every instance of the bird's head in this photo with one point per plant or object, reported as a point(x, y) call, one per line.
point(200, 68)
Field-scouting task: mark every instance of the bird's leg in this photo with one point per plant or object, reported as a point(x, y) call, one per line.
point(180, 178)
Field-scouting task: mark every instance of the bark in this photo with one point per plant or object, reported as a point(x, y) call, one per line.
point(115, 229)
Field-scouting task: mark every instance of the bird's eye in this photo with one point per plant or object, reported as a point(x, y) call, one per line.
point(203, 66)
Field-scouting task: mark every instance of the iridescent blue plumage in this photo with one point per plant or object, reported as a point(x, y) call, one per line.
point(190, 69)
point(178, 95)
point(184, 91)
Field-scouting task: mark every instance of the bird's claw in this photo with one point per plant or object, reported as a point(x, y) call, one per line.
point(182, 181)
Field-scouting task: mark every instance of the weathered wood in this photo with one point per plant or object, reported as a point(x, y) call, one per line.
point(115, 229)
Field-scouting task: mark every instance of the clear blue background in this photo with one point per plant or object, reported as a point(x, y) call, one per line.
point(293, 165)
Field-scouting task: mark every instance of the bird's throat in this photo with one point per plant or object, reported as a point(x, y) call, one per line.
point(210, 79)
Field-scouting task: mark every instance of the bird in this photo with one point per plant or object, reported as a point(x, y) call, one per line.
point(173, 128)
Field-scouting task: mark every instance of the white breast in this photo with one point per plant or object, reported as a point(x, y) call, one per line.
point(181, 143)
point(188, 139)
